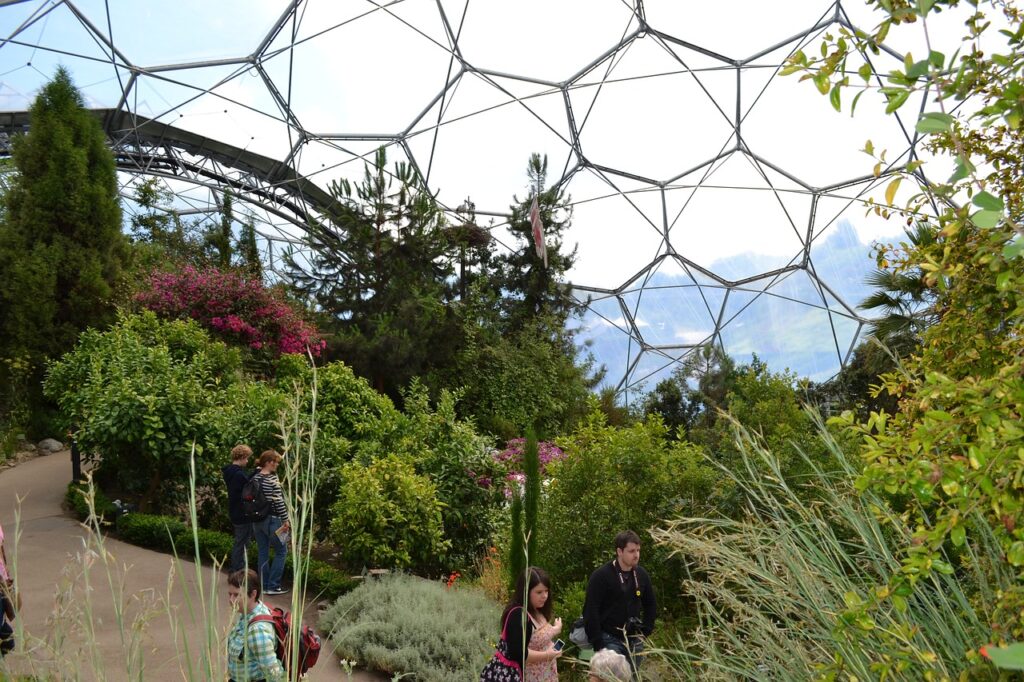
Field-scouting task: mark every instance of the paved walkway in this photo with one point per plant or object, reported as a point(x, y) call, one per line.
point(164, 619)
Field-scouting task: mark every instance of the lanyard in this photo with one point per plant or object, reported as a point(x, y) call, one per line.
point(622, 581)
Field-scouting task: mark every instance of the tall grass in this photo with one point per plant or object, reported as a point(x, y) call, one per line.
point(71, 648)
point(770, 588)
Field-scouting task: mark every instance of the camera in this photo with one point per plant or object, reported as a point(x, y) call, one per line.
point(634, 626)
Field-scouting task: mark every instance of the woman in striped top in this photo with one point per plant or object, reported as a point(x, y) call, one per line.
point(267, 538)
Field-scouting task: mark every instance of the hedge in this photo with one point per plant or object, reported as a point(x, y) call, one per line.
point(74, 499)
point(169, 534)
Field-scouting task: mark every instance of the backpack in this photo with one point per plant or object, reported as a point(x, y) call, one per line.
point(255, 505)
point(309, 641)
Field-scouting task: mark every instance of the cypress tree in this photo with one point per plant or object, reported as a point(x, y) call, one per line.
point(248, 251)
point(61, 246)
point(517, 550)
point(218, 240)
point(531, 501)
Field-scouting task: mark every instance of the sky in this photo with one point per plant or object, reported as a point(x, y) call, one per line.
point(692, 153)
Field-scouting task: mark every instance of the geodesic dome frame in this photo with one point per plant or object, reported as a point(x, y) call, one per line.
point(647, 207)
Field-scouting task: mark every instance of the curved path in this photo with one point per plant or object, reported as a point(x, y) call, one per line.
point(158, 593)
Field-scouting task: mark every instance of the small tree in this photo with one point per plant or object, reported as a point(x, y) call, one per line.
point(61, 246)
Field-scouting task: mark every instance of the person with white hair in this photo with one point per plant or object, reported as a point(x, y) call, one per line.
point(608, 665)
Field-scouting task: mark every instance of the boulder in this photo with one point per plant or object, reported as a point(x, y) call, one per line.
point(49, 446)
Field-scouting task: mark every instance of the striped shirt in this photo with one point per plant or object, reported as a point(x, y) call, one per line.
point(271, 487)
point(259, 662)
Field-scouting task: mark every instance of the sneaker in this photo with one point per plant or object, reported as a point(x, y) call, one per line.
point(276, 590)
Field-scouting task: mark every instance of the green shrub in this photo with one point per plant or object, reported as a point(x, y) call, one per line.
point(214, 546)
point(74, 499)
point(402, 624)
point(352, 419)
point(323, 580)
point(157, 532)
point(150, 530)
point(458, 461)
point(612, 479)
point(348, 407)
point(387, 516)
point(569, 602)
point(133, 395)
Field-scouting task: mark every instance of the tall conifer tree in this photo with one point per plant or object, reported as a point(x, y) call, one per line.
point(61, 245)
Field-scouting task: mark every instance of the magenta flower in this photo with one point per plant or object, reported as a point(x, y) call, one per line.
point(237, 309)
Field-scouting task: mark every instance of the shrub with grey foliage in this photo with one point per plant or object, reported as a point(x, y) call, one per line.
point(404, 624)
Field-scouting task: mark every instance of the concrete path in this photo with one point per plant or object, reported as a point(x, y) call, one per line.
point(73, 632)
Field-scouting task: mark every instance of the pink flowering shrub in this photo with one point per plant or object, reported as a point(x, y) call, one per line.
point(512, 455)
point(511, 460)
point(235, 308)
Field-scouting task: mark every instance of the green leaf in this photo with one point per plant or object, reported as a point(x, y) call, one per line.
point(853, 105)
point(896, 101)
point(1014, 249)
point(1009, 657)
point(865, 72)
point(1015, 555)
point(963, 169)
point(958, 535)
point(917, 70)
point(833, 97)
point(821, 82)
point(987, 219)
point(936, 58)
point(934, 122)
point(924, 6)
point(987, 201)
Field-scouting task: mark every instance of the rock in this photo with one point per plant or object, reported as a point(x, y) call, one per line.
point(49, 446)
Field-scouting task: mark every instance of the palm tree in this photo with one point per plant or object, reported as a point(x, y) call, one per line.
point(905, 301)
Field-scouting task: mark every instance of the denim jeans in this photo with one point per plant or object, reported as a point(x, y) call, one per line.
point(271, 570)
point(631, 651)
point(239, 558)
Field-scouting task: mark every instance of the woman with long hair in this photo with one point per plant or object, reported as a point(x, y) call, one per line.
point(525, 650)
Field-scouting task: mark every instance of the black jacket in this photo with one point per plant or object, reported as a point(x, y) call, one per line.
point(235, 478)
point(609, 606)
point(517, 639)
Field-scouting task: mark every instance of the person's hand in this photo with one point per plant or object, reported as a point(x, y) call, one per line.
point(555, 654)
point(557, 625)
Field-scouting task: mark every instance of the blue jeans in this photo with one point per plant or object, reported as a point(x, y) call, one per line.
point(631, 651)
point(271, 570)
point(239, 560)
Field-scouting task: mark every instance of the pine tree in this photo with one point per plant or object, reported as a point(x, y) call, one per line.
point(61, 246)
point(382, 272)
point(534, 291)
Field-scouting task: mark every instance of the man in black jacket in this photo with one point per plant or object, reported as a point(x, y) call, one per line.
point(620, 609)
point(235, 476)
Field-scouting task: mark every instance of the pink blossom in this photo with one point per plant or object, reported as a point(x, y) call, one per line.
point(237, 309)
